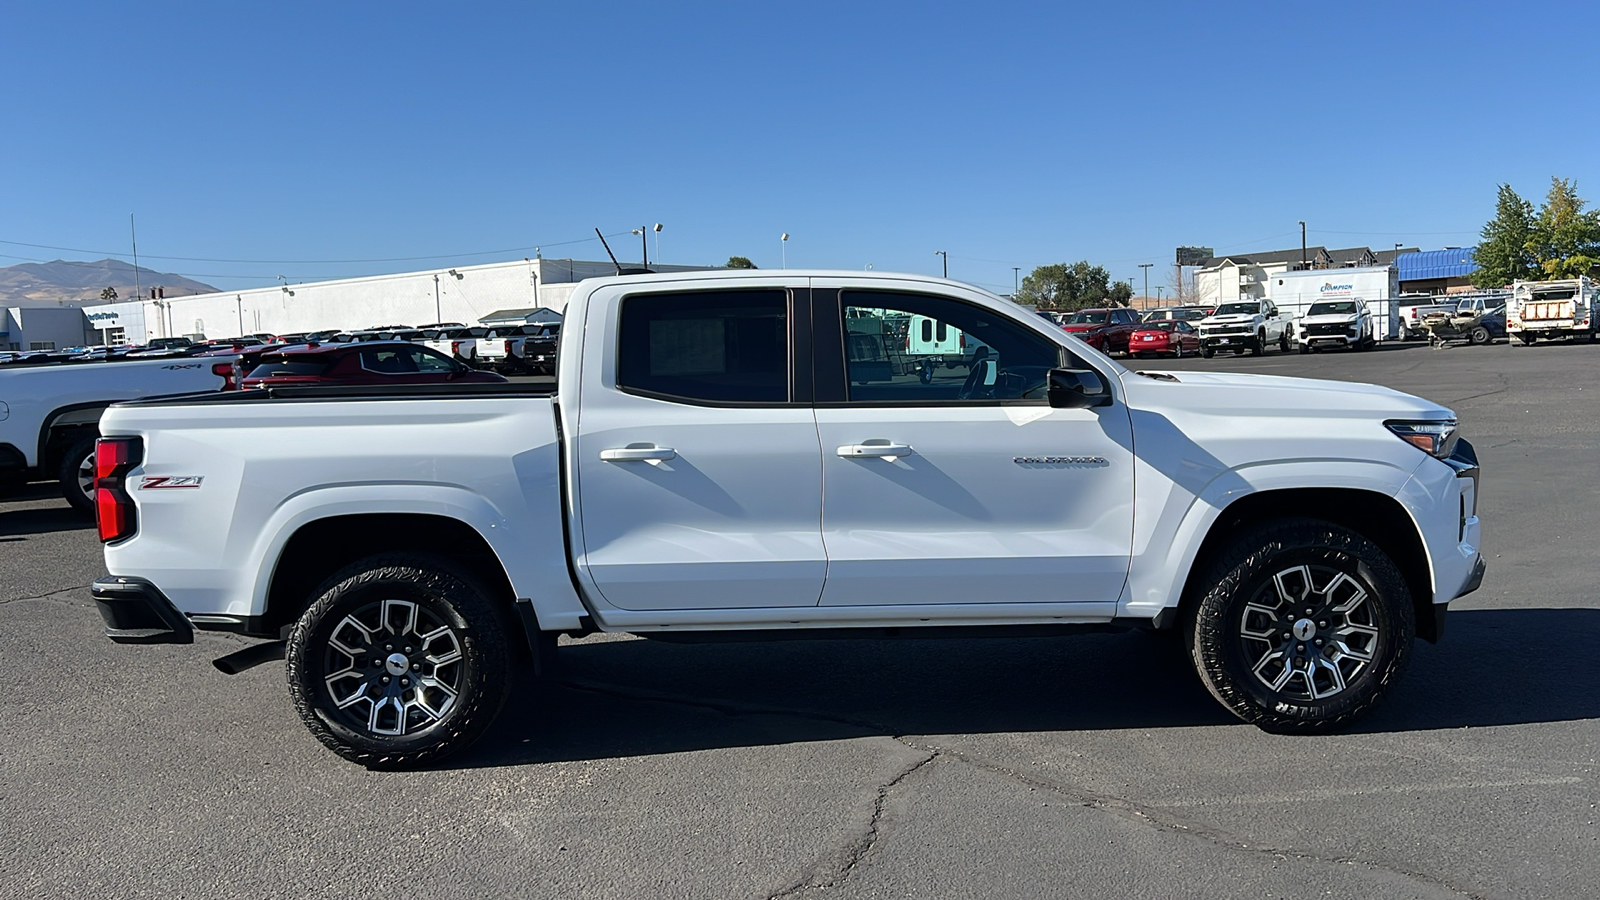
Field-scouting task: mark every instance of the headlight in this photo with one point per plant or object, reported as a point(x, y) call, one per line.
point(1435, 438)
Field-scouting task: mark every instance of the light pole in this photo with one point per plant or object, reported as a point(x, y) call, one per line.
point(1146, 268)
point(657, 230)
point(1158, 295)
point(946, 258)
point(1302, 246)
point(1016, 280)
point(783, 248)
point(436, 316)
point(239, 299)
point(644, 244)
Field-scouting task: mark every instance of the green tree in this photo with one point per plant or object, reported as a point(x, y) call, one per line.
point(740, 262)
point(109, 293)
point(1503, 255)
point(1073, 286)
point(1566, 240)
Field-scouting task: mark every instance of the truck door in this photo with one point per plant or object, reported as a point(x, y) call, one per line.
point(967, 488)
point(698, 471)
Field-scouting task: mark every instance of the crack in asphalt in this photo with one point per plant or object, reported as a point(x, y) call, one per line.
point(1152, 817)
point(1146, 815)
point(52, 596)
point(857, 850)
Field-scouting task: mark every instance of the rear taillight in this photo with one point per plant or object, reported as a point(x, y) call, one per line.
point(508, 348)
point(455, 348)
point(225, 371)
point(114, 509)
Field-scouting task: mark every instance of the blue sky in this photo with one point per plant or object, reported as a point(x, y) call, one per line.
point(874, 133)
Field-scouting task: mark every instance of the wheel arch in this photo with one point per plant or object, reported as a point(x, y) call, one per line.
point(1377, 517)
point(65, 426)
point(321, 547)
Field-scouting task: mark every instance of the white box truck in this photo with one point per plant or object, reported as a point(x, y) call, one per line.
point(1295, 292)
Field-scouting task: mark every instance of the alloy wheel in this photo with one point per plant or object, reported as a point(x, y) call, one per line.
point(1308, 632)
point(86, 476)
point(394, 668)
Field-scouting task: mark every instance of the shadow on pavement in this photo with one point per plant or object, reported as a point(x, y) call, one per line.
point(41, 520)
point(631, 698)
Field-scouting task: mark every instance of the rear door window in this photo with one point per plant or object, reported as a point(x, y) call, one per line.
point(284, 367)
point(713, 346)
point(389, 360)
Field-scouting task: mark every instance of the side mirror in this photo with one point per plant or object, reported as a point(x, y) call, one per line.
point(1077, 389)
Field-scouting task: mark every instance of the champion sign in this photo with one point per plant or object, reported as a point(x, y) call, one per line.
point(1331, 288)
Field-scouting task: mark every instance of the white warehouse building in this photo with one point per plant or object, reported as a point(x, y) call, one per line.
point(455, 294)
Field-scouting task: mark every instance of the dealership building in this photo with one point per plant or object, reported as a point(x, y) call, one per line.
point(465, 294)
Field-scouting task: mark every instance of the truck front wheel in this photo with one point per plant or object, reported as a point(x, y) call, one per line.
point(401, 660)
point(1304, 628)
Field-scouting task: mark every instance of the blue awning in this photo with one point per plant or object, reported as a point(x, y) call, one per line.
point(1454, 262)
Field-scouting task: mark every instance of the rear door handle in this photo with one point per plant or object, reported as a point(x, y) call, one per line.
point(883, 450)
point(626, 454)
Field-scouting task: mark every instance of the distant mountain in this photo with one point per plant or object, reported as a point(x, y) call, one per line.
point(72, 283)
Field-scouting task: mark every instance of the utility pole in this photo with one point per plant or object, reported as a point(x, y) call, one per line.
point(1146, 268)
point(1302, 246)
point(1016, 280)
point(946, 257)
point(437, 316)
point(783, 248)
point(239, 299)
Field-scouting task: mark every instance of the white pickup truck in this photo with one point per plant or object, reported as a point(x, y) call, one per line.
point(1335, 323)
point(48, 413)
point(1553, 309)
point(719, 464)
point(1252, 325)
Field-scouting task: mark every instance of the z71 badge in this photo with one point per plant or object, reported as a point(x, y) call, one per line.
point(163, 482)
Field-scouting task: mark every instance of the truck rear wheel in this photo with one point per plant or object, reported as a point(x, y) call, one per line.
point(76, 474)
point(400, 661)
point(1304, 628)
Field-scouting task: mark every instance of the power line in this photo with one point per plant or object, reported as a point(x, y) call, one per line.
point(118, 255)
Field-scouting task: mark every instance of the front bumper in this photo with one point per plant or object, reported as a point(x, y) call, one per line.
point(136, 612)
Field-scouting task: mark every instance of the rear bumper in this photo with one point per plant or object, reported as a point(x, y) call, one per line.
point(136, 612)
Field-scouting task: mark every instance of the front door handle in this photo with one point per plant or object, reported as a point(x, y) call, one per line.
point(883, 450)
point(626, 454)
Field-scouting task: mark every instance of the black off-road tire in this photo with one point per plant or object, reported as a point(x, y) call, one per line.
point(1283, 342)
point(69, 471)
point(1478, 335)
point(444, 596)
point(1246, 569)
point(1207, 352)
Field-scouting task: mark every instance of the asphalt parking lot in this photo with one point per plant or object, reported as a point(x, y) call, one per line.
point(1093, 766)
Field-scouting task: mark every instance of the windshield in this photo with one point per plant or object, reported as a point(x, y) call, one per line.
point(1090, 317)
point(1342, 308)
point(1158, 325)
point(1238, 309)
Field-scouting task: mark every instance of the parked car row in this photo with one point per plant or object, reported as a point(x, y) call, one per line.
point(1254, 326)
